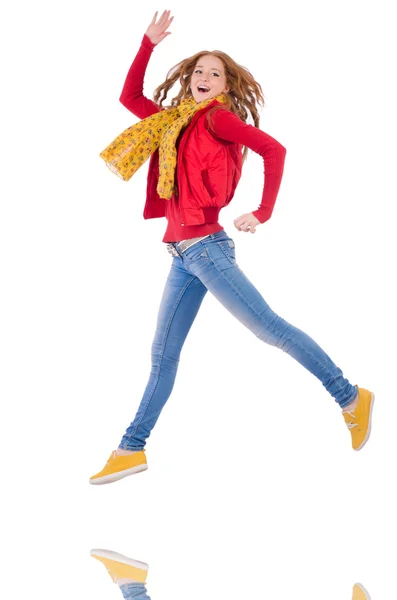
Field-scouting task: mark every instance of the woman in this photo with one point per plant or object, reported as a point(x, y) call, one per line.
point(195, 148)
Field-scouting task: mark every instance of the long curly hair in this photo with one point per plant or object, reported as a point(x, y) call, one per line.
point(244, 95)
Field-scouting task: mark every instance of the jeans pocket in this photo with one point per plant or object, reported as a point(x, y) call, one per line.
point(195, 252)
point(228, 248)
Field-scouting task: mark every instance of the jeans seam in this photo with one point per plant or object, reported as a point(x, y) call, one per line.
point(146, 406)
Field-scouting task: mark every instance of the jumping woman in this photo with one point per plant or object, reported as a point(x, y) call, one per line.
point(197, 146)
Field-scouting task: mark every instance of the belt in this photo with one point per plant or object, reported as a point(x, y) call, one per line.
point(183, 245)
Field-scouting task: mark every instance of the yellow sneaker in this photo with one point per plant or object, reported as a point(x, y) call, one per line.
point(360, 593)
point(121, 567)
point(118, 467)
point(359, 419)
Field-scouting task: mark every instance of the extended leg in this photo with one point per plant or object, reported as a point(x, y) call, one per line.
point(227, 282)
point(182, 298)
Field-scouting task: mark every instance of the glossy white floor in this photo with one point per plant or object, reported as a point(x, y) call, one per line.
point(252, 489)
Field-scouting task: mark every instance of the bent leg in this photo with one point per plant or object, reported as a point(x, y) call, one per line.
point(227, 282)
point(180, 303)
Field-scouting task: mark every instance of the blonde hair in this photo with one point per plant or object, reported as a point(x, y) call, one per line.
point(244, 95)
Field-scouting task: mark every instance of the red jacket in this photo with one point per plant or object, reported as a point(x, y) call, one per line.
point(207, 174)
point(209, 161)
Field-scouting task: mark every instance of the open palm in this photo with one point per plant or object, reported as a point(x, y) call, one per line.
point(156, 32)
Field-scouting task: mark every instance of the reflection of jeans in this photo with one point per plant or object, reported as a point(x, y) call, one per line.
point(134, 591)
point(210, 264)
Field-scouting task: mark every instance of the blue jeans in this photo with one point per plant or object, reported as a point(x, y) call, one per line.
point(210, 264)
point(134, 591)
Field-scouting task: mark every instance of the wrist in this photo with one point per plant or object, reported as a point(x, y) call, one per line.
point(147, 41)
point(261, 216)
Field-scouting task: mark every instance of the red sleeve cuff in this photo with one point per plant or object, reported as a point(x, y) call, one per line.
point(147, 43)
point(262, 215)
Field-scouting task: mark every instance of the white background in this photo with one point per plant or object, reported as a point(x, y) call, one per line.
point(253, 490)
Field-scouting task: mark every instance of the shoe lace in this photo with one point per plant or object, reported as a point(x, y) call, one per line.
point(351, 425)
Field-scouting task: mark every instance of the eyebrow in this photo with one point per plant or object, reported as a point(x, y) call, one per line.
point(213, 68)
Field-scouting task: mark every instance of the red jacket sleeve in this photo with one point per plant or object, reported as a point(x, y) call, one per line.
point(228, 126)
point(132, 94)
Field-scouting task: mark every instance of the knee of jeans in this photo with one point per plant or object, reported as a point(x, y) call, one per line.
point(273, 332)
point(169, 348)
point(268, 337)
point(282, 339)
point(166, 360)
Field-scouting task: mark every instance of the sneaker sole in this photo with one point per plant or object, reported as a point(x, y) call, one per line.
point(119, 475)
point(365, 440)
point(119, 558)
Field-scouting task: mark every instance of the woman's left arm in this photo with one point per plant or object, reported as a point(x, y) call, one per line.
point(228, 126)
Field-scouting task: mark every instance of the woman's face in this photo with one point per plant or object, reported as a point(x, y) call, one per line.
point(208, 73)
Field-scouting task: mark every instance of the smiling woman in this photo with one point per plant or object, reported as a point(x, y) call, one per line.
point(219, 74)
point(208, 79)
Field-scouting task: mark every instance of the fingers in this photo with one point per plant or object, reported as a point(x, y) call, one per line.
point(241, 224)
point(164, 21)
point(164, 17)
point(169, 20)
point(241, 227)
point(245, 224)
point(161, 18)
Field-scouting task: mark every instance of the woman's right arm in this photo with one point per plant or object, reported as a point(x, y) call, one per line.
point(132, 94)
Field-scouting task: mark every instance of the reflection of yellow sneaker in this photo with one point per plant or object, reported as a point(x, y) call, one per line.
point(121, 567)
point(118, 467)
point(359, 419)
point(360, 593)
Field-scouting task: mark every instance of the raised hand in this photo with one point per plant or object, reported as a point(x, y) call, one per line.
point(156, 32)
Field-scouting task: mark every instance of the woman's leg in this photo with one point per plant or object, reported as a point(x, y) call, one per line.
point(213, 261)
point(180, 303)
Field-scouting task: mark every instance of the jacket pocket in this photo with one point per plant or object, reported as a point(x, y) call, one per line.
point(207, 183)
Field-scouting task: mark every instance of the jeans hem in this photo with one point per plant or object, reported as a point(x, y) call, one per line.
point(347, 402)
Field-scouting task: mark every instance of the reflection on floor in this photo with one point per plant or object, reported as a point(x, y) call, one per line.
point(130, 575)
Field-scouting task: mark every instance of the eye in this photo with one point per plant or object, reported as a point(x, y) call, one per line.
point(217, 74)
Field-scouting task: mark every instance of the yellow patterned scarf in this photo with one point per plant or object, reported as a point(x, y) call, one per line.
point(133, 147)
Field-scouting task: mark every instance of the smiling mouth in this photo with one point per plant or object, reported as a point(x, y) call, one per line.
point(202, 89)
